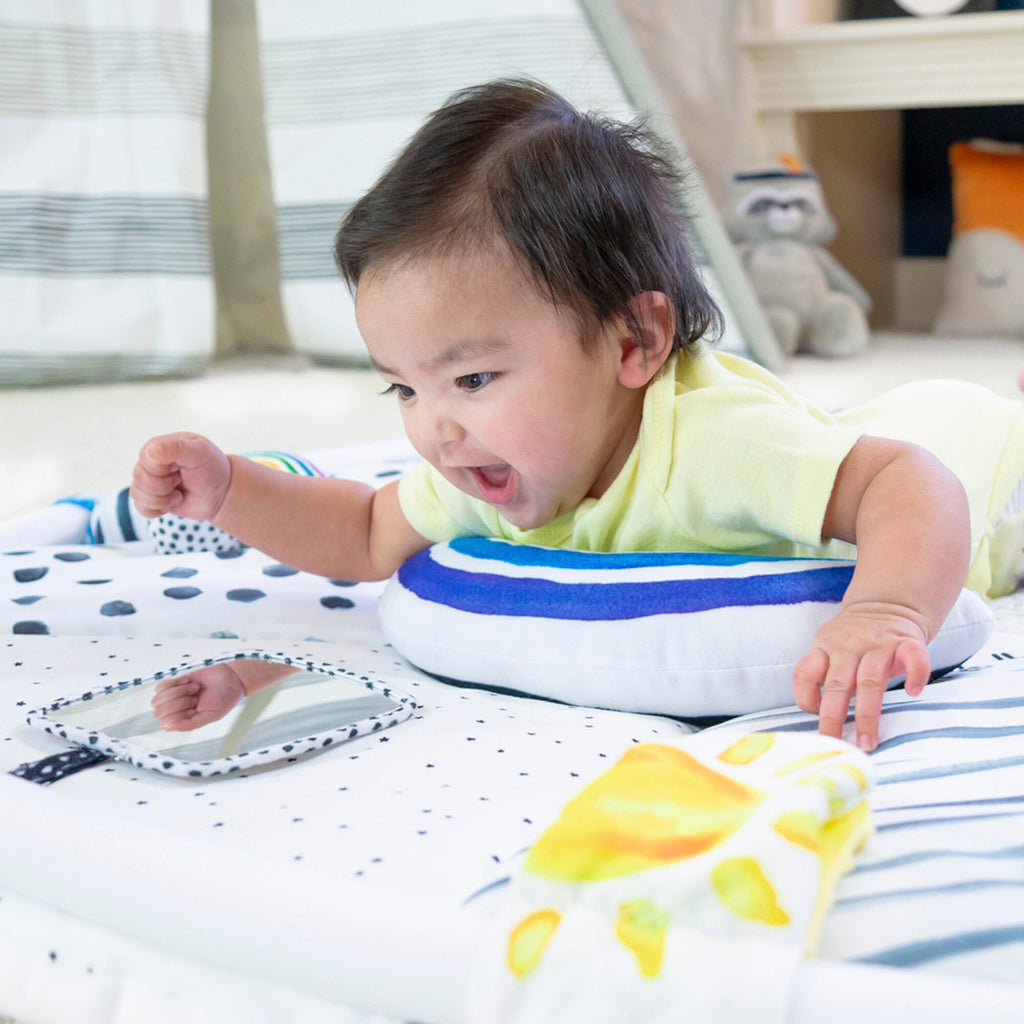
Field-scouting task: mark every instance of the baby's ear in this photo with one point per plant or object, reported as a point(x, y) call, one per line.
point(646, 338)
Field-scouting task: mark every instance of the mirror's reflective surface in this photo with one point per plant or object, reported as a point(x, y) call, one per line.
point(304, 704)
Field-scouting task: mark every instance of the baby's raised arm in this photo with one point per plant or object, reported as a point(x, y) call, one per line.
point(336, 528)
point(908, 516)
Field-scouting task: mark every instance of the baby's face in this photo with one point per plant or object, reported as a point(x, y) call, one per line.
point(494, 387)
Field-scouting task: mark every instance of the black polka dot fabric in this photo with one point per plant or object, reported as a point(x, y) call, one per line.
point(37, 572)
point(173, 535)
point(108, 591)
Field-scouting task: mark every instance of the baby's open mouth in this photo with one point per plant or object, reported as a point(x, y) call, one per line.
point(495, 483)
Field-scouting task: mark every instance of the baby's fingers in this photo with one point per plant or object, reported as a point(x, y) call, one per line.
point(826, 684)
point(170, 452)
point(873, 676)
point(174, 699)
point(836, 693)
point(872, 681)
point(168, 690)
point(808, 677)
point(155, 495)
point(917, 667)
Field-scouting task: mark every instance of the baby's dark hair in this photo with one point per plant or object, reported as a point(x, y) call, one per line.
point(589, 206)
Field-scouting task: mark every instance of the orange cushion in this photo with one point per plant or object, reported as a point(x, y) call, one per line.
point(988, 189)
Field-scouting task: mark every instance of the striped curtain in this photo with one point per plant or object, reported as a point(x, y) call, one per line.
point(344, 87)
point(104, 248)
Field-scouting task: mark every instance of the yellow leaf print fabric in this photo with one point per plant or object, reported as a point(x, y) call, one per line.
point(721, 848)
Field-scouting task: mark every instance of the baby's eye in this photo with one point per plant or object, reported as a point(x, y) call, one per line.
point(403, 391)
point(474, 381)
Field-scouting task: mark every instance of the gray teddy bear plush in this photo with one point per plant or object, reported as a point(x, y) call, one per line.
point(779, 222)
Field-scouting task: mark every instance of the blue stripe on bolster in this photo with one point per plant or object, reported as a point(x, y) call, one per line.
point(491, 594)
point(562, 558)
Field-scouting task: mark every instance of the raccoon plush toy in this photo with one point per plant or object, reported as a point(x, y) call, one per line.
point(779, 222)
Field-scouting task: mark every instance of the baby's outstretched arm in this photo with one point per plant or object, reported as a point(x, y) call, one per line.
point(336, 528)
point(909, 518)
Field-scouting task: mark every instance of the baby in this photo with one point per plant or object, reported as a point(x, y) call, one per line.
point(525, 286)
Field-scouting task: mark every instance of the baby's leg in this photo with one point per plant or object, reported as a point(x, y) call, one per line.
point(114, 520)
point(1009, 536)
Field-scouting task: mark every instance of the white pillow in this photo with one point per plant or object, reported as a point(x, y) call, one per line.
point(690, 635)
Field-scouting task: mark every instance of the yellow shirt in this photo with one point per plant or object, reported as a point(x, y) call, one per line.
point(729, 459)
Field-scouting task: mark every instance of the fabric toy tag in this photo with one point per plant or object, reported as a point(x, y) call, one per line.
point(686, 883)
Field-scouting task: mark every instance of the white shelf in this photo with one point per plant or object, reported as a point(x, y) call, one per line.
point(889, 63)
point(855, 68)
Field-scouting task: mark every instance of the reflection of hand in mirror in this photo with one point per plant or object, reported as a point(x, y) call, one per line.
point(193, 700)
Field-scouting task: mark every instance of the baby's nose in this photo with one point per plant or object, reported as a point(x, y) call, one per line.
point(444, 429)
point(450, 432)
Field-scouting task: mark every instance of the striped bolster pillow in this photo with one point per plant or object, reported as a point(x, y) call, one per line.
point(689, 635)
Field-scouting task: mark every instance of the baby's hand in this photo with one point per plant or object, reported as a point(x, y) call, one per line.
point(194, 700)
point(854, 656)
point(180, 473)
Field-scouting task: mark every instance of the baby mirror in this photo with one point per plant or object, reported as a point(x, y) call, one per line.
point(313, 707)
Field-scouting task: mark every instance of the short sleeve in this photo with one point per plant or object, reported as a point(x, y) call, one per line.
point(753, 468)
point(437, 510)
